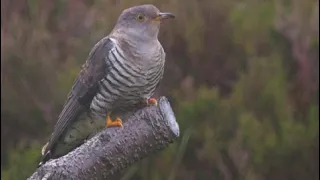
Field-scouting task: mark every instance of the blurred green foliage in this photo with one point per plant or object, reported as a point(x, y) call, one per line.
point(242, 77)
point(21, 161)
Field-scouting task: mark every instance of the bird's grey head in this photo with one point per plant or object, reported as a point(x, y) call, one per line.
point(141, 22)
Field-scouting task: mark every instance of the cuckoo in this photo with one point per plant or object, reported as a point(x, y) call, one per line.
point(122, 70)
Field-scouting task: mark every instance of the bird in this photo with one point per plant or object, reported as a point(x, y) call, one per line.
point(122, 70)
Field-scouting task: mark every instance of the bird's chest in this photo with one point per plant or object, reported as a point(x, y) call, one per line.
point(131, 75)
point(127, 81)
point(123, 82)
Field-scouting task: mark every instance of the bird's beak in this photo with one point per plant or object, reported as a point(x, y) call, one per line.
point(164, 15)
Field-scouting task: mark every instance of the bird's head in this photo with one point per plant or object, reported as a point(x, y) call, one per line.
point(141, 21)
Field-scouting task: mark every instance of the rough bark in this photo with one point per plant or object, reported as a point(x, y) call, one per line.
point(144, 132)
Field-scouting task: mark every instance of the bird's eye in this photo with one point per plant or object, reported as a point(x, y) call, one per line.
point(140, 17)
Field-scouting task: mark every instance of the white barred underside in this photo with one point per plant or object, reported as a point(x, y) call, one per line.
point(125, 84)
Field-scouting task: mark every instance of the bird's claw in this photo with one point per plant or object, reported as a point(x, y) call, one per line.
point(152, 101)
point(115, 123)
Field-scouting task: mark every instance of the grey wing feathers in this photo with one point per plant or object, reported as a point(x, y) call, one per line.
point(84, 88)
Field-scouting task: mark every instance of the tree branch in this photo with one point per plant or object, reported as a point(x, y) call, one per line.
point(148, 130)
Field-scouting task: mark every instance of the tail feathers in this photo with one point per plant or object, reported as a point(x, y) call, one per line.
point(45, 158)
point(46, 154)
point(44, 148)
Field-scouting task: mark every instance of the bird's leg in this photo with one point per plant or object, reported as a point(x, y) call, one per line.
point(115, 123)
point(152, 101)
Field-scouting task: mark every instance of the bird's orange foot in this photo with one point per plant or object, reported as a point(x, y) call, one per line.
point(152, 101)
point(115, 123)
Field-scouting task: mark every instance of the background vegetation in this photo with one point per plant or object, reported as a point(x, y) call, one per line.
point(242, 76)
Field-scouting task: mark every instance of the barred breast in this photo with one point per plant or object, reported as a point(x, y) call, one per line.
point(126, 84)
